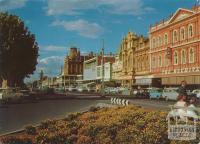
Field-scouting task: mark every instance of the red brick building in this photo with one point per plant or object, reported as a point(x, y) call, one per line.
point(73, 66)
point(175, 48)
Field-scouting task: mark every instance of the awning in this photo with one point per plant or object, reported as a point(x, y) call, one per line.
point(143, 81)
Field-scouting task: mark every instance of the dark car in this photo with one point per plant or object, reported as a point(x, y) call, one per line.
point(142, 94)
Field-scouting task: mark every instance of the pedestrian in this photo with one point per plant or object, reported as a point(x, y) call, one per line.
point(182, 91)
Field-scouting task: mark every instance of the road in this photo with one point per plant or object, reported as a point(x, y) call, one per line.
point(16, 116)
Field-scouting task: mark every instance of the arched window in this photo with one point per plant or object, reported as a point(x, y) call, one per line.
point(191, 55)
point(166, 39)
point(190, 31)
point(183, 57)
point(160, 41)
point(153, 62)
point(154, 43)
point(157, 42)
point(182, 37)
point(175, 58)
point(160, 61)
point(175, 36)
point(166, 60)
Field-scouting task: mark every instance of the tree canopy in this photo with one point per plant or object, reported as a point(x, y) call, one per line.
point(18, 50)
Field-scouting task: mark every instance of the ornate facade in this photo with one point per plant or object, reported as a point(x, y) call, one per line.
point(141, 56)
point(175, 48)
point(135, 60)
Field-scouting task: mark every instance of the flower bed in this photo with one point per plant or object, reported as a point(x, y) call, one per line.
point(130, 124)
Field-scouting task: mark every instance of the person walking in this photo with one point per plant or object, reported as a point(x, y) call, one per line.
point(182, 91)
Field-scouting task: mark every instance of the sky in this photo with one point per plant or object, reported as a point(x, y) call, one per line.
point(60, 24)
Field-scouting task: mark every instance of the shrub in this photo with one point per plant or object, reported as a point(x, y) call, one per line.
point(128, 125)
point(30, 130)
point(93, 109)
point(23, 139)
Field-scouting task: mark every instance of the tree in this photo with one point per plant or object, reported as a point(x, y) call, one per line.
point(18, 50)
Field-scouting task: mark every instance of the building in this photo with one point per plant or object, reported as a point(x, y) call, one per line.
point(175, 48)
point(127, 49)
point(117, 69)
point(142, 68)
point(134, 55)
point(93, 69)
point(73, 67)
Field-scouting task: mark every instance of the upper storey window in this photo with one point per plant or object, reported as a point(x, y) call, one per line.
point(182, 33)
point(159, 41)
point(190, 31)
point(166, 39)
point(175, 36)
point(154, 43)
point(175, 58)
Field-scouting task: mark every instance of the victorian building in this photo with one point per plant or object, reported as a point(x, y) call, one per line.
point(73, 66)
point(134, 55)
point(117, 69)
point(142, 68)
point(175, 48)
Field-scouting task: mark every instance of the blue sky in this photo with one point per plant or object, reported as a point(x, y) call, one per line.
point(59, 24)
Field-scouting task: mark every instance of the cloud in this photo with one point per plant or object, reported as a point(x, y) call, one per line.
point(50, 65)
point(6, 5)
point(53, 48)
point(82, 27)
point(76, 7)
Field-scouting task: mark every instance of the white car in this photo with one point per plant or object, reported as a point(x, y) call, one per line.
point(1, 93)
point(170, 93)
point(197, 92)
point(82, 89)
point(72, 88)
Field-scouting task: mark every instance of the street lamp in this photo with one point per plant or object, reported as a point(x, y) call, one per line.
point(102, 65)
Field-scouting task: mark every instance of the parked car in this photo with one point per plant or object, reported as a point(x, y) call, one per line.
point(142, 94)
point(155, 93)
point(72, 88)
point(11, 93)
point(1, 93)
point(91, 89)
point(82, 89)
point(197, 92)
point(170, 93)
point(25, 93)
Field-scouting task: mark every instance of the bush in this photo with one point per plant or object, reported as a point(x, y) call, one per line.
point(93, 109)
point(23, 139)
point(30, 130)
point(128, 125)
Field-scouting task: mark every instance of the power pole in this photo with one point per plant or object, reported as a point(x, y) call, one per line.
point(102, 66)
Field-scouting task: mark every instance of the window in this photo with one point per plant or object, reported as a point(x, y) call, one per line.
point(175, 58)
point(190, 31)
point(153, 43)
point(182, 33)
point(166, 39)
point(175, 36)
point(153, 62)
point(160, 61)
point(183, 57)
point(98, 71)
point(160, 41)
point(157, 42)
point(166, 60)
point(191, 55)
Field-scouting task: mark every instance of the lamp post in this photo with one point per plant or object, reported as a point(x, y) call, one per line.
point(102, 65)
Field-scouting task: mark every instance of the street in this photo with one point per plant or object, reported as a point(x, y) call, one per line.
point(16, 116)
